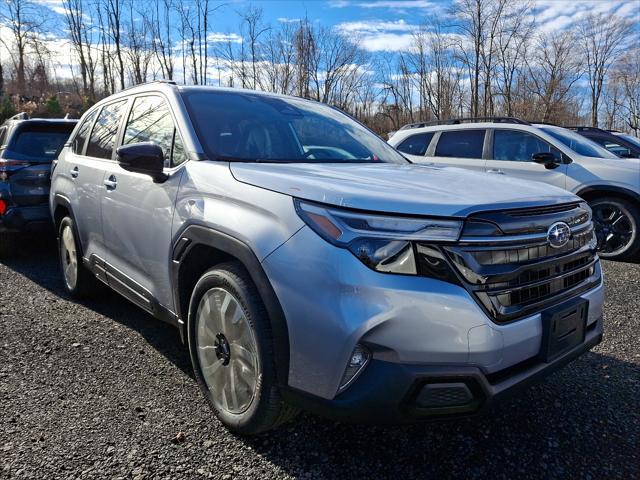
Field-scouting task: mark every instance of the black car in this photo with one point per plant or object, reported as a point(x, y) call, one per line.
point(27, 149)
point(616, 144)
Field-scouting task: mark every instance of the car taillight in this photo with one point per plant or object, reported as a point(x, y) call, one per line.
point(3, 207)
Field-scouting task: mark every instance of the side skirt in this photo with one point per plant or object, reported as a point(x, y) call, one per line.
point(129, 289)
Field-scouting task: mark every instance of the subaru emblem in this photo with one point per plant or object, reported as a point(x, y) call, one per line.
point(558, 234)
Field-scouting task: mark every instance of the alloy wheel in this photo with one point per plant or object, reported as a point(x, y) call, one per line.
point(69, 257)
point(614, 228)
point(227, 351)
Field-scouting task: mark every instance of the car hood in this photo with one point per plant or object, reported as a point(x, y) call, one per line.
point(409, 189)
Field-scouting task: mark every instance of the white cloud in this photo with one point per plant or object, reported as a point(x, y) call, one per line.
point(393, 4)
point(218, 37)
point(396, 4)
point(380, 35)
point(554, 15)
point(55, 5)
point(288, 20)
point(374, 26)
point(388, 42)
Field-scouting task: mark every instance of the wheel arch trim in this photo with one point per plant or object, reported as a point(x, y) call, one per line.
point(609, 189)
point(198, 235)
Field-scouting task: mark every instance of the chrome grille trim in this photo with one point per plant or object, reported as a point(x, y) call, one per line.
point(528, 238)
point(516, 275)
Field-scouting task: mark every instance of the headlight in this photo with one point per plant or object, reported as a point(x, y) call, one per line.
point(382, 242)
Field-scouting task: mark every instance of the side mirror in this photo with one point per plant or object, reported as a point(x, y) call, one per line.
point(143, 157)
point(547, 159)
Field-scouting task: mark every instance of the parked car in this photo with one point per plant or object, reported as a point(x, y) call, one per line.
point(545, 153)
point(308, 265)
point(616, 143)
point(27, 147)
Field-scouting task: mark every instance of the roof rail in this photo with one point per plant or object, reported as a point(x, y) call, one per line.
point(457, 121)
point(161, 80)
point(20, 116)
point(540, 122)
point(586, 129)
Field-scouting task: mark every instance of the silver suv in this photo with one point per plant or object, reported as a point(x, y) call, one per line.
point(308, 265)
point(545, 153)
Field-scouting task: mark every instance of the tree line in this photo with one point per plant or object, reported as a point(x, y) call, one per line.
point(479, 58)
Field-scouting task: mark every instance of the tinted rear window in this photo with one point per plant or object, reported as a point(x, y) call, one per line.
point(461, 144)
point(416, 144)
point(40, 142)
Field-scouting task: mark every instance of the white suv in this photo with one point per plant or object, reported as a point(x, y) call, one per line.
point(546, 153)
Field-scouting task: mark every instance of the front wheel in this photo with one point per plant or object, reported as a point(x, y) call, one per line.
point(231, 349)
point(616, 223)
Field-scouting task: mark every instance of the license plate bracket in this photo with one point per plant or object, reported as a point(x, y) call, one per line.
point(563, 327)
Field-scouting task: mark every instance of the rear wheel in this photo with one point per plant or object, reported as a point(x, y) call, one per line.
point(616, 223)
point(232, 351)
point(78, 281)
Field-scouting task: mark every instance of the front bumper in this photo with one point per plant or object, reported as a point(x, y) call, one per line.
point(388, 392)
point(332, 302)
point(26, 219)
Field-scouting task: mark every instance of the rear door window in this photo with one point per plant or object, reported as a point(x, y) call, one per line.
point(519, 146)
point(83, 133)
point(460, 144)
point(104, 132)
point(416, 144)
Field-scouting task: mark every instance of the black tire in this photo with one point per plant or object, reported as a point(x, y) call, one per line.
point(631, 212)
point(267, 409)
point(86, 283)
point(7, 244)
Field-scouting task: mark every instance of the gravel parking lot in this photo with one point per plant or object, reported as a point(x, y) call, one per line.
point(100, 390)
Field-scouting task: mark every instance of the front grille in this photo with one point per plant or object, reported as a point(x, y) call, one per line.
point(512, 275)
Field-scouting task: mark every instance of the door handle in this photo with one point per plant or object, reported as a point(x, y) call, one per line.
point(75, 172)
point(111, 183)
point(495, 170)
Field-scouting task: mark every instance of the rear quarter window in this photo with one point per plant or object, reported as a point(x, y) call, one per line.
point(461, 144)
point(83, 132)
point(103, 135)
point(416, 144)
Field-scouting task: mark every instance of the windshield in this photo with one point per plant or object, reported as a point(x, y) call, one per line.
point(249, 127)
point(41, 143)
point(630, 138)
point(579, 144)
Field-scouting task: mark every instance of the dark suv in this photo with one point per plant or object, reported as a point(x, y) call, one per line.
point(27, 148)
point(616, 144)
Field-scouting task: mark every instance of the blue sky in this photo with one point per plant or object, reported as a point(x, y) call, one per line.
point(387, 25)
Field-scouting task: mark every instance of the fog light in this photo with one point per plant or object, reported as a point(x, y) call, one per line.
point(358, 360)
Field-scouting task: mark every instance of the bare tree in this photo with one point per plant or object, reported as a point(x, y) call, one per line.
point(114, 13)
point(602, 39)
point(159, 24)
point(138, 44)
point(81, 39)
point(21, 19)
point(553, 71)
point(515, 30)
point(626, 77)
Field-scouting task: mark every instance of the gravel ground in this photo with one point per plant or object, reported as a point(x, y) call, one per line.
point(101, 390)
